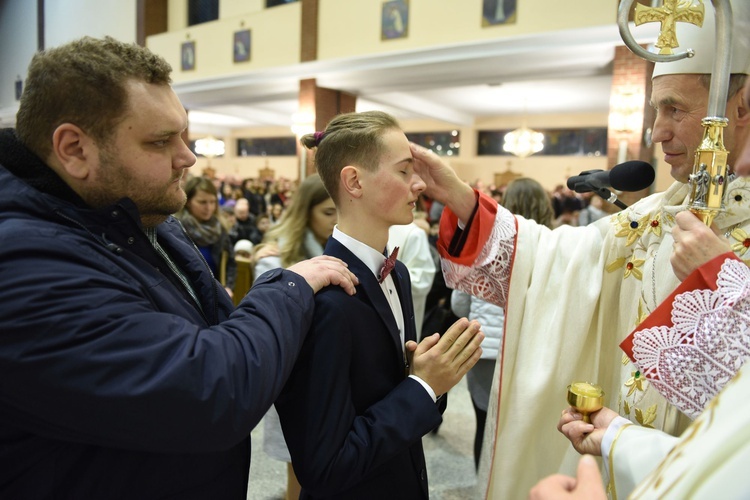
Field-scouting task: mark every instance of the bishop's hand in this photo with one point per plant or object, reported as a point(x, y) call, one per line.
point(442, 183)
point(586, 438)
point(694, 244)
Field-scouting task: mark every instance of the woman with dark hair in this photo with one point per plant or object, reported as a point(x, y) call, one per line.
point(202, 223)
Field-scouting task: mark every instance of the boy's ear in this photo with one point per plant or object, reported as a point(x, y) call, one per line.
point(350, 181)
point(72, 149)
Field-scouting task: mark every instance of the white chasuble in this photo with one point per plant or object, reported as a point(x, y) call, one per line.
point(710, 460)
point(571, 296)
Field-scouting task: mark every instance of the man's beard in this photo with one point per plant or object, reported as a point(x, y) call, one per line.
point(116, 183)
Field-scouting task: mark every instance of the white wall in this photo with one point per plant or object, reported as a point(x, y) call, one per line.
point(63, 22)
point(71, 19)
point(18, 39)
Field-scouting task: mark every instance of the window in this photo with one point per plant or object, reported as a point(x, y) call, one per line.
point(557, 142)
point(202, 11)
point(442, 143)
point(267, 146)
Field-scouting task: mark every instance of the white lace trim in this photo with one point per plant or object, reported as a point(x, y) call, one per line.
point(489, 277)
point(692, 361)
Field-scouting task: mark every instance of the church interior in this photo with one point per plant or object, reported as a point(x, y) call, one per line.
point(459, 76)
point(465, 78)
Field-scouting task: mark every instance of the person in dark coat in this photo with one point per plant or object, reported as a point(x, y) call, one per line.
point(126, 371)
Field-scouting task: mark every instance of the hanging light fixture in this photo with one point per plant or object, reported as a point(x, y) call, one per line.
point(210, 147)
point(523, 142)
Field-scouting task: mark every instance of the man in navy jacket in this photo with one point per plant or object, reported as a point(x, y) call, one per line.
point(125, 371)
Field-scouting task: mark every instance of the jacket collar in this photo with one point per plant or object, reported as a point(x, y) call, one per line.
point(28, 167)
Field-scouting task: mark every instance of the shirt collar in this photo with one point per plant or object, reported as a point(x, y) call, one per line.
point(369, 256)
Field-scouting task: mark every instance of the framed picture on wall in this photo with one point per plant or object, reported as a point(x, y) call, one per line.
point(496, 12)
point(395, 20)
point(188, 55)
point(241, 46)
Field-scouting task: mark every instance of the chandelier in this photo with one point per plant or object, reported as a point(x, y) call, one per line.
point(523, 142)
point(209, 147)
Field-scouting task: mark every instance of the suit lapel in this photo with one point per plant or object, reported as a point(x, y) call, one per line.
point(403, 287)
point(370, 286)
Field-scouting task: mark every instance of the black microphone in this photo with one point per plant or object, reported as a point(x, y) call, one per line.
point(629, 176)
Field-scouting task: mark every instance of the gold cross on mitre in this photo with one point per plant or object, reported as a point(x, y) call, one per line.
point(671, 13)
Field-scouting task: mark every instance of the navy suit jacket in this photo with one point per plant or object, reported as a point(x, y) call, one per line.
point(352, 419)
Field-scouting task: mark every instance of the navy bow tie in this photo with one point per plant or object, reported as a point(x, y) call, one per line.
point(388, 265)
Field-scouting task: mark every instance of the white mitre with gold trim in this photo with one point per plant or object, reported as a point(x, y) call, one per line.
point(703, 41)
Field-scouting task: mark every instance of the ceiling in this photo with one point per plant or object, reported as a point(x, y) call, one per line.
point(560, 72)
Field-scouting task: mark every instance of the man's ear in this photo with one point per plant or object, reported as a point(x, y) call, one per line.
point(350, 181)
point(743, 111)
point(73, 150)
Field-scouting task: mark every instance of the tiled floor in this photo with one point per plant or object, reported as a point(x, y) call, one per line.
point(449, 454)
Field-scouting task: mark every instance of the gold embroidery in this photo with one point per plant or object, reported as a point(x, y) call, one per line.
point(654, 225)
point(627, 408)
point(642, 315)
point(635, 383)
point(646, 419)
point(616, 264)
point(742, 238)
point(631, 229)
point(633, 267)
point(611, 487)
point(625, 360)
point(668, 218)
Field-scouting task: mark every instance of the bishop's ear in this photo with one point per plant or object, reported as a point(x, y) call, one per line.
point(351, 181)
point(73, 150)
point(743, 109)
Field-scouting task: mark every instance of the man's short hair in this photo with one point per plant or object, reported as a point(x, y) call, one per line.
point(736, 83)
point(83, 83)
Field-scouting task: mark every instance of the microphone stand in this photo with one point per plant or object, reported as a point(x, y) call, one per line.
point(610, 197)
point(585, 187)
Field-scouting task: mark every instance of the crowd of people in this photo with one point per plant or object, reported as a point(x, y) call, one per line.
point(130, 373)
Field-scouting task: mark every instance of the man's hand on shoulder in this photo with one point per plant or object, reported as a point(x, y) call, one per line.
point(322, 271)
point(442, 361)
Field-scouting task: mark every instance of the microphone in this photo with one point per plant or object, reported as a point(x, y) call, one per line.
point(629, 176)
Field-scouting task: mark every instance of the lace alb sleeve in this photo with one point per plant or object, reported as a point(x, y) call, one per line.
point(691, 361)
point(489, 276)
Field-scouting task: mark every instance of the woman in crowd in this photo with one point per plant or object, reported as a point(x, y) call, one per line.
point(201, 220)
point(302, 233)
